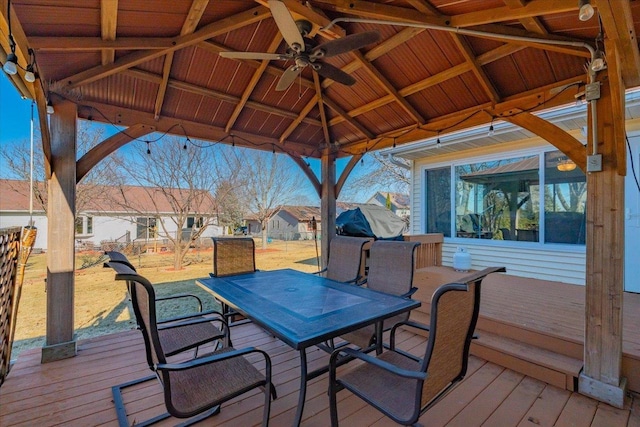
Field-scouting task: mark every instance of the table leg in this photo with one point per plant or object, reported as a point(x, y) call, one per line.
point(379, 345)
point(303, 387)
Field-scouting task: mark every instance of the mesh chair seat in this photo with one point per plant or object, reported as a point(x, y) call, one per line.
point(187, 336)
point(403, 386)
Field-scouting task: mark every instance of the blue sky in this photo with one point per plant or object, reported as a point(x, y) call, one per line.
point(15, 117)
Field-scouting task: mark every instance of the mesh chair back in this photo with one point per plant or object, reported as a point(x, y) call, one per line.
point(233, 255)
point(391, 267)
point(144, 307)
point(345, 258)
point(454, 314)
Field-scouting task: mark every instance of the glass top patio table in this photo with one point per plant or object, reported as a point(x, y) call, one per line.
point(304, 309)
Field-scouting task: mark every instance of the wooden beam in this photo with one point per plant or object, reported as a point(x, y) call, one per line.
point(255, 78)
point(80, 43)
point(617, 20)
point(300, 118)
point(131, 60)
point(108, 146)
point(189, 26)
point(45, 134)
point(388, 87)
point(61, 208)
point(553, 134)
point(108, 26)
point(354, 123)
point(204, 131)
point(353, 161)
point(327, 201)
point(505, 13)
point(323, 117)
point(601, 377)
point(476, 68)
point(530, 23)
point(308, 172)
point(616, 81)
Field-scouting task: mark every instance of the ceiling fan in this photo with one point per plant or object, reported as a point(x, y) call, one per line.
point(304, 51)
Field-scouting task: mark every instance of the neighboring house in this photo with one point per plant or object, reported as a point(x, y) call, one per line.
point(289, 223)
point(513, 199)
point(103, 218)
point(400, 204)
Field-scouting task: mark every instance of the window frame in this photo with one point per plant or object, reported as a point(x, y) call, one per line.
point(540, 152)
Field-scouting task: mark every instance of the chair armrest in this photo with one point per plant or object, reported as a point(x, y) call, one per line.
point(179, 296)
point(194, 320)
point(410, 292)
point(324, 270)
point(190, 316)
point(410, 323)
point(205, 360)
point(405, 373)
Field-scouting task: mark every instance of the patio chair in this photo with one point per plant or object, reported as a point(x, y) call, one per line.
point(391, 267)
point(231, 256)
point(115, 256)
point(346, 259)
point(403, 386)
point(193, 388)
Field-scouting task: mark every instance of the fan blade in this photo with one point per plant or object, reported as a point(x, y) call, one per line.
point(286, 25)
point(288, 77)
point(252, 55)
point(345, 44)
point(333, 73)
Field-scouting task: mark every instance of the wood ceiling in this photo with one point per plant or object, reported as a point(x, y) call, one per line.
point(155, 65)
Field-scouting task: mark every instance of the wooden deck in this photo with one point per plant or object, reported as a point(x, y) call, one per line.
point(528, 352)
point(77, 392)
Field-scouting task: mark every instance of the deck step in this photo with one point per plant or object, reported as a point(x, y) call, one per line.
point(545, 365)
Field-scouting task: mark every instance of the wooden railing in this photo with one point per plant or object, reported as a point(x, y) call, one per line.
point(429, 253)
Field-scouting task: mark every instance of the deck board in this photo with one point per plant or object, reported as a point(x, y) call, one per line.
point(77, 392)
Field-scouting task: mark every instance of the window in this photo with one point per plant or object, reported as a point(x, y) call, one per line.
point(84, 225)
point(195, 222)
point(146, 228)
point(508, 199)
point(565, 198)
point(438, 197)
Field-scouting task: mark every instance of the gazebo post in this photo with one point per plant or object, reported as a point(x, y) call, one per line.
point(602, 374)
point(60, 339)
point(327, 202)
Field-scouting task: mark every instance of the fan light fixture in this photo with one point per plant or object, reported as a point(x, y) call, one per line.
point(566, 165)
point(586, 11)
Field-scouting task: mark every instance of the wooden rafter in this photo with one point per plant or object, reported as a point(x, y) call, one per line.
point(202, 91)
point(188, 27)
point(255, 78)
point(618, 25)
point(529, 101)
point(108, 146)
point(131, 60)
point(108, 26)
point(354, 123)
point(353, 161)
point(532, 24)
point(129, 117)
point(464, 48)
point(323, 116)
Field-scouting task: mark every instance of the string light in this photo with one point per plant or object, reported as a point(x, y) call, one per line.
point(148, 147)
point(394, 142)
point(491, 131)
point(438, 141)
point(184, 147)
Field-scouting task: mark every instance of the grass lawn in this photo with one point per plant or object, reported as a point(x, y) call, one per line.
point(101, 304)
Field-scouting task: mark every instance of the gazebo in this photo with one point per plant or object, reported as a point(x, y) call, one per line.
point(328, 79)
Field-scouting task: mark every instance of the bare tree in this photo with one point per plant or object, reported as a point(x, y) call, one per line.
point(18, 167)
point(183, 178)
point(270, 183)
point(382, 172)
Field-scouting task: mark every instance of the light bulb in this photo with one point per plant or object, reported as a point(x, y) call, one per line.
point(11, 65)
point(586, 11)
point(491, 131)
point(30, 75)
point(50, 109)
point(598, 63)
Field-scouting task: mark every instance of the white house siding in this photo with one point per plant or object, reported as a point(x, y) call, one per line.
point(562, 263)
point(632, 217)
point(547, 264)
point(21, 219)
